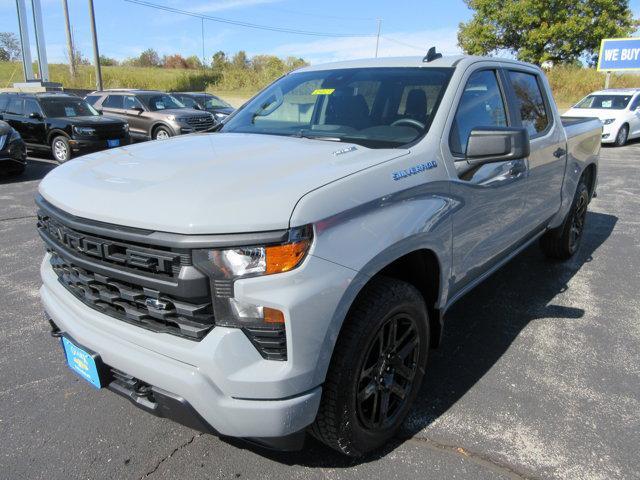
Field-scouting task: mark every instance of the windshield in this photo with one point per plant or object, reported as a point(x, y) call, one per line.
point(214, 102)
point(161, 101)
point(374, 107)
point(607, 102)
point(67, 107)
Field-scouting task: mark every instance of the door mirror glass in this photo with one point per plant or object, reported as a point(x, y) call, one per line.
point(497, 144)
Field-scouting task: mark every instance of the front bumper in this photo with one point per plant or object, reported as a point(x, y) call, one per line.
point(223, 377)
point(13, 154)
point(94, 145)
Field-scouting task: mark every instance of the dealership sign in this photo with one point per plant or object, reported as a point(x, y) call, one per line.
point(619, 54)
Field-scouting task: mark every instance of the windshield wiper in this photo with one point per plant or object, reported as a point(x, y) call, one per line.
point(303, 134)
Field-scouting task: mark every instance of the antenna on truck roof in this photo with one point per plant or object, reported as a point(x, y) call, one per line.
point(431, 55)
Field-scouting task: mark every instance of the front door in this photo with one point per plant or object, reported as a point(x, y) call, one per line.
point(134, 111)
point(34, 130)
point(491, 198)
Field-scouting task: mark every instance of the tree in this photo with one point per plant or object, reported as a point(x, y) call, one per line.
point(194, 62)
point(536, 31)
point(219, 61)
point(108, 61)
point(174, 61)
point(240, 60)
point(9, 47)
point(148, 58)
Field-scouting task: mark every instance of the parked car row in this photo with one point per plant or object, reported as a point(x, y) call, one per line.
point(67, 125)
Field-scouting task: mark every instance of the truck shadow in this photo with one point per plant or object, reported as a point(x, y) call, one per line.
point(36, 169)
point(479, 330)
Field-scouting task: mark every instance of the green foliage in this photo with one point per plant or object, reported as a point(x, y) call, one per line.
point(108, 61)
point(9, 47)
point(148, 58)
point(536, 31)
point(193, 62)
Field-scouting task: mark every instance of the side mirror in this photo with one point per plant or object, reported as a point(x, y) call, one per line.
point(136, 109)
point(497, 144)
point(35, 116)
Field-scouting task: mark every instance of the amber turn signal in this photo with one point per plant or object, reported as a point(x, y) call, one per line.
point(282, 258)
point(271, 315)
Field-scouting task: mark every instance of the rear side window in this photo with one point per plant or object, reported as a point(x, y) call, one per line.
point(529, 102)
point(112, 101)
point(15, 106)
point(4, 100)
point(31, 106)
point(481, 105)
point(92, 99)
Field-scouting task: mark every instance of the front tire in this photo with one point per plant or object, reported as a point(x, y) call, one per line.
point(61, 149)
point(622, 136)
point(376, 369)
point(563, 242)
point(161, 133)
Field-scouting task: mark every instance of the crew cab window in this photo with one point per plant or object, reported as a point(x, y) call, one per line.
point(481, 105)
point(113, 101)
point(529, 102)
point(15, 106)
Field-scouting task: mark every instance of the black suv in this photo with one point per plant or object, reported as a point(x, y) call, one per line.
point(61, 123)
point(207, 102)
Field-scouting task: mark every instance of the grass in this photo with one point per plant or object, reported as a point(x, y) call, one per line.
point(569, 84)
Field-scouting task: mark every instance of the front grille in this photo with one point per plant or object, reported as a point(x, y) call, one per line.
point(110, 133)
point(143, 307)
point(200, 122)
point(150, 286)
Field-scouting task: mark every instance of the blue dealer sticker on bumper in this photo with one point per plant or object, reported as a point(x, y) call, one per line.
point(400, 174)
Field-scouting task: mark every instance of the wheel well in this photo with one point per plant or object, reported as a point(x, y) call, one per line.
point(589, 175)
point(56, 133)
point(422, 270)
point(157, 126)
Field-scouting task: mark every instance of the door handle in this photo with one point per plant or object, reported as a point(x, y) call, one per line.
point(560, 152)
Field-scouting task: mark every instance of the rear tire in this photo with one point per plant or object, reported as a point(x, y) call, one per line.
point(563, 242)
point(61, 149)
point(376, 368)
point(622, 136)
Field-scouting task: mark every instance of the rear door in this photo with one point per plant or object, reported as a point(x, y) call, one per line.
point(488, 223)
point(34, 128)
point(533, 110)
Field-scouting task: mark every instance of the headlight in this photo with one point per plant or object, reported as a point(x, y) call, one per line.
point(220, 116)
point(84, 130)
point(608, 121)
point(125, 127)
point(225, 266)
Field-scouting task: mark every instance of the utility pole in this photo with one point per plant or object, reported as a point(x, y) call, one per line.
point(72, 59)
point(378, 36)
point(96, 52)
point(607, 80)
point(202, 31)
point(27, 65)
point(43, 65)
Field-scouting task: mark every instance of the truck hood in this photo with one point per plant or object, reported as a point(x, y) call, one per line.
point(204, 183)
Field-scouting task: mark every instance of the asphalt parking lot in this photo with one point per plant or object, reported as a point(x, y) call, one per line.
point(538, 375)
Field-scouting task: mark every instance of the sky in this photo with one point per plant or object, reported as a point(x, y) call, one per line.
point(409, 27)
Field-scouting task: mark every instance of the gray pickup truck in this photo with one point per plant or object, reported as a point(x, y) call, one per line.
point(289, 273)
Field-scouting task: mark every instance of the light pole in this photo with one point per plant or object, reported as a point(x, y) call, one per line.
point(72, 63)
point(96, 53)
point(27, 65)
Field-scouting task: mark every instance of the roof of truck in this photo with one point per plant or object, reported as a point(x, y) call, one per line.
point(445, 61)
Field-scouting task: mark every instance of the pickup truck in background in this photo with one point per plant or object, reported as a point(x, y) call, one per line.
point(289, 273)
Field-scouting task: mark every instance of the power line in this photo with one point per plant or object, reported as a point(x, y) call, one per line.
point(246, 24)
point(422, 49)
